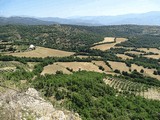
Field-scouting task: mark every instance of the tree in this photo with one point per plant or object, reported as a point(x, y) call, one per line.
point(101, 68)
point(141, 71)
point(155, 72)
point(124, 73)
point(59, 72)
point(117, 71)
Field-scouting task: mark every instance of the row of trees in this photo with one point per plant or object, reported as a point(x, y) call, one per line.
point(138, 77)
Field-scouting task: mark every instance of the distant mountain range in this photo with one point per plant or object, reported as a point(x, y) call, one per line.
point(150, 18)
point(23, 21)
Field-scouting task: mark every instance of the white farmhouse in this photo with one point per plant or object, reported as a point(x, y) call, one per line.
point(32, 47)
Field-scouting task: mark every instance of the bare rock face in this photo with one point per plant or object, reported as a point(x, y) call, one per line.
point(29, 105)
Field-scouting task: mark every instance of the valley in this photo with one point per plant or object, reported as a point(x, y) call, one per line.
point(100, 72)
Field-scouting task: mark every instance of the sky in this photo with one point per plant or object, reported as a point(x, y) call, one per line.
point(70, 8)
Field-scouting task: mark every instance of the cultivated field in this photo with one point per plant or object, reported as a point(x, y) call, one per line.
point(52, 69)
point(134, 52)
point(75, 66)
point(123, 67)
point(119, 66)
point(85, 56)
point(107, 46)
point(42, 52)
point(153, 50)
point(147, 72)
point(103, 64)
point(123, 56)
point(153, 56)
point(106, 40)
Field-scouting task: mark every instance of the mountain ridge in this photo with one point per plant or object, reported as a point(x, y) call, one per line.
point(149, 18)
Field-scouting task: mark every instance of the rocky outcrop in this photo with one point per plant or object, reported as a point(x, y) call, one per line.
point(29, 105)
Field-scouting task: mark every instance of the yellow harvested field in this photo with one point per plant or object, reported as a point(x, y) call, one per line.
point(119, 66)
point(103, 64)
point(147, 72)
point(42, 52)
point(134, 52)
point(153, 56)
point(84, 56)
point(75, 66)
point(106, 40)
point(52, 69)
point(107, 46)
point(153, 50)
point(123, 56)
point(127, 48)
point(123, 67)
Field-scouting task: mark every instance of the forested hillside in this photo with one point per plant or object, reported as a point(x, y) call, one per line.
point(73, 38)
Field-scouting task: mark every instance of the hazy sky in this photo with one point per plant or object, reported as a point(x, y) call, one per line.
point(67, 8)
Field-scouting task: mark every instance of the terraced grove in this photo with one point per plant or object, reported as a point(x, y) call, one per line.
point(126, 86)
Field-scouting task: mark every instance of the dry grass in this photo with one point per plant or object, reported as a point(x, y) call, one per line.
point(84, 56)
point(103, 64)
point(119, 66)
point(52, 69)
point(153, 50)
point(134, 52)
point(127, 48)
point(107, 46)
point(123, 67)
point(123, 56)
point(106, 40)
point(75, 66)
point(147, 72)
point(42, 52)
point(153, 56)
